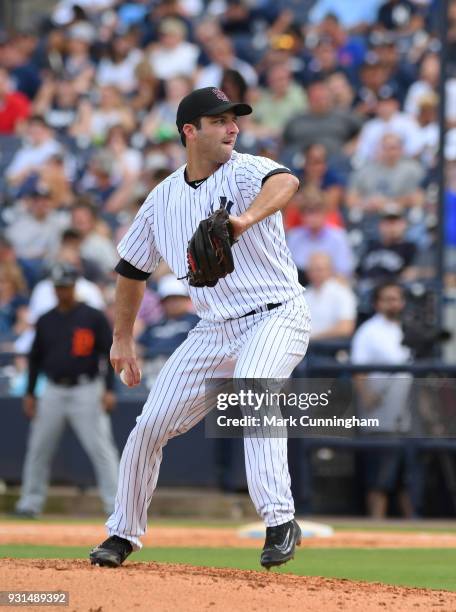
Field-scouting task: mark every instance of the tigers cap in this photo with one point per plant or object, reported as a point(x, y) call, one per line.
point(206, 102)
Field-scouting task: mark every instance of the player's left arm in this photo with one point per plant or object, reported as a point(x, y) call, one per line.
point(273, 196)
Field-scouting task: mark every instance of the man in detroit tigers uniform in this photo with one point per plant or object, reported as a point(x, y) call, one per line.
point(254, 322)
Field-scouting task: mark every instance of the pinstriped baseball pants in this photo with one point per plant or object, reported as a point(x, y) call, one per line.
point(265, 345)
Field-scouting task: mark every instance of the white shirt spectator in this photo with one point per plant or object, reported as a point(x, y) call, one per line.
point(34, 238)
point(129, 164)
point(418, 89)
point(331, 303)
point(43, 297)
point(373, 131)
point(30, 156)
point(379, 341)
point(121, 75)
point(169, 63)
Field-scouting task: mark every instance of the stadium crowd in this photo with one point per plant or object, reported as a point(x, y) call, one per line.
point(345, 94)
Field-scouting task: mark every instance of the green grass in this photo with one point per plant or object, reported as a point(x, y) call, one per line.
point(428, 568)
point(406, 527)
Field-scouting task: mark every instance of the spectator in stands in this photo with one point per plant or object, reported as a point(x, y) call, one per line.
point(78, 64)
point(324, 60)
point(351, 16)
point(316, 235)
point(351, 48)
point(97, 245)
point(173, 55)
point(13, 302)
point(401, 16)
point(386, 397)
point(162, 338)
point(391, 177)
point(427, 107)
point(341, 91)
point(321, 123)
point(35, 230)
point(316, 175)
point(16, 59)
point(8, 256)
point(57, 101)
point(390, 256)
point(388, 120)
point(279, 101)
point(332, 304)
point(391, 55)
point(14, 106)
point(54, 177)
point(70, 251)
point(428, 82)
point(161, 121)
point(38, 146)
point(119, 66)
point(94, 120)
point(373, 76)
point(222, 57)
point(146, 92)
point(127, 161)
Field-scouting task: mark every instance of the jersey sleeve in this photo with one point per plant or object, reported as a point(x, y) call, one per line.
point(252, 172)
point(138, 246)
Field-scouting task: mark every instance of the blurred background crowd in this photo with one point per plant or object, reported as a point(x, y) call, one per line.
point(344, 93)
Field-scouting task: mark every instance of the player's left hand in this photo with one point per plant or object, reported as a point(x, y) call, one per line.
point(238, 225)
point(109, 401)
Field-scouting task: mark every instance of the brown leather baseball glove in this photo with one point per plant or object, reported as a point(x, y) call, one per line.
point(209, 253)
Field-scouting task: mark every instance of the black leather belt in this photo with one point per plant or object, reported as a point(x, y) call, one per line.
point(262, 309)
point(72, 381)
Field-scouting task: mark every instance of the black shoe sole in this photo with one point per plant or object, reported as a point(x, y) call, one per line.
point(282, 561)
point(104, 560)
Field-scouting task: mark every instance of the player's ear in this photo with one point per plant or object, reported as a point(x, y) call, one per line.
point(189, 131)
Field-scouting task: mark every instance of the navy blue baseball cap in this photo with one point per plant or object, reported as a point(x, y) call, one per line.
point(206, 102)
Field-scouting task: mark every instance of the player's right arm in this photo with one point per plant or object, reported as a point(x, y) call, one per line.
point(128, 298)
point(139, 258)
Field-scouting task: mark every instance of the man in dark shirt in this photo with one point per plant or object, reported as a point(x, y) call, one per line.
point(69, 342)
point(390, 256)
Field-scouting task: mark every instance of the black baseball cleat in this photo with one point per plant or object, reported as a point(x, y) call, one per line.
point(111, 553)
point(280, 543)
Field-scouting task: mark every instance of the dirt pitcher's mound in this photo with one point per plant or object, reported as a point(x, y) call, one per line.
point(65, 534)
point(178, 588)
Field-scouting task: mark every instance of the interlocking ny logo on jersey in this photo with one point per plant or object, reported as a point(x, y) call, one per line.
point(83, 342)
point(224, 203)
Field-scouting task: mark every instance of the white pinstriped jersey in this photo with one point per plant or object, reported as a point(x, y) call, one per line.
point(264, 272)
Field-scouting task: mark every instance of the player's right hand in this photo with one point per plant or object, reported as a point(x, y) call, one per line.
point(29, 406)
point(123, 357)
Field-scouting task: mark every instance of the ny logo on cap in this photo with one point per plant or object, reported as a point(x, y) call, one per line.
point(220, 95)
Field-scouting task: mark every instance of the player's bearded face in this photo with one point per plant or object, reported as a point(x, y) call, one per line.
point(217, 137)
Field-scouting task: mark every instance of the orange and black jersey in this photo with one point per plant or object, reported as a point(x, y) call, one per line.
point(70, 344)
